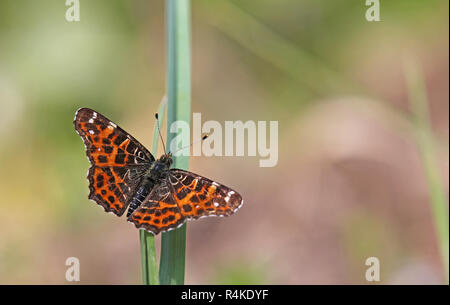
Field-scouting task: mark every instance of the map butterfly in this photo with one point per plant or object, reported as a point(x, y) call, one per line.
point(124, 174)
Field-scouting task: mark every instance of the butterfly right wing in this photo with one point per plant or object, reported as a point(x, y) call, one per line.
point(184, 196)
point(118, 161)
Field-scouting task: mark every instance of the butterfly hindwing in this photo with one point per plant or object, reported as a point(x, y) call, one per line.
point(198, 196)
point(118, 161)
point(159, 210)
point(113, 187)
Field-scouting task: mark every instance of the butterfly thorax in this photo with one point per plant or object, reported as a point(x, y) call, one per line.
point(160, 168)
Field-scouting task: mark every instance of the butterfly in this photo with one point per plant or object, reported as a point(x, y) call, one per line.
point(124, 174)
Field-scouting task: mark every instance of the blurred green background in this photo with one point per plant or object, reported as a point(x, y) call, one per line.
point(349, 183)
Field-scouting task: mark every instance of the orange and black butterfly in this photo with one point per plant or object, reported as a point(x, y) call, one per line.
point(124, 174)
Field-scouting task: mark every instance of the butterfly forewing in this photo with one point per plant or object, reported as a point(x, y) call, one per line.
point(106, 143)
point(118, 161)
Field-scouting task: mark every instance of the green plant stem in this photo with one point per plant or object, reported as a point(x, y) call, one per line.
point(425, 141)
point(173, 243)
point(147, 240)
point(148, 257)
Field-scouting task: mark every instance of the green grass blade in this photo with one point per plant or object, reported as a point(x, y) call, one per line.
point(144, 256)
point(173, 243)
point(425, 141)
point(147, 240)
point(148, 258)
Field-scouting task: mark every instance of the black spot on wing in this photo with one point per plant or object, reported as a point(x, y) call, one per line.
point(182, 193)
point(119, 139)
point(120, 157)
point(131, 147)
point(108, 149)
point(198, 187)
point(188, 180)
point(187, 208)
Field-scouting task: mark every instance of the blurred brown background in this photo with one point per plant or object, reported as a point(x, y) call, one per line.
point(349, 183)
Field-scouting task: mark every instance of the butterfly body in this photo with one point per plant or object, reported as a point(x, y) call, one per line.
point(158, 171)
point(124, 174)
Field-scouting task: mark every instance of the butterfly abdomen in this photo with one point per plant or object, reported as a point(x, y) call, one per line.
point(140, 196)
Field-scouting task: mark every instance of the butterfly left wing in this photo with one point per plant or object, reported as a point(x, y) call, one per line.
point(118, 161)
point(198, 196)
point(106, 143)
point(158, 211)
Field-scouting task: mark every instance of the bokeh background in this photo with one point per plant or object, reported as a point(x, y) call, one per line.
point(350, 182)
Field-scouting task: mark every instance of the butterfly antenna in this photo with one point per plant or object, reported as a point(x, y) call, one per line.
point(159, 131)
point(203, 138)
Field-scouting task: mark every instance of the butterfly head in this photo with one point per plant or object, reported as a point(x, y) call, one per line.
point(166, 159)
